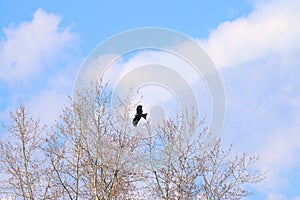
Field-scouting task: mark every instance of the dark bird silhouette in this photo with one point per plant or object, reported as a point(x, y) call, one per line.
point(138, 115)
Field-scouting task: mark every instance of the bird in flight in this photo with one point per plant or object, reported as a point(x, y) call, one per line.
point(138, 115)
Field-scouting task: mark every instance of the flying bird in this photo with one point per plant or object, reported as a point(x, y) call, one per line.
point(138, 115)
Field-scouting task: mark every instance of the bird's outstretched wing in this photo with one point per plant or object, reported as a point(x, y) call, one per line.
point(136, 120)
point(144, 115)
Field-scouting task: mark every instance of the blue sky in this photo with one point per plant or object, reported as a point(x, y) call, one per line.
point(255, 44)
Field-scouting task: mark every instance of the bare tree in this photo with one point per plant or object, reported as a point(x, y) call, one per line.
point(94, 152)
point(184, 164)
point(22, 161)
point(90, 151)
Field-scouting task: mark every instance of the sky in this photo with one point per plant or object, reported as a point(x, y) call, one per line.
point(254, 44)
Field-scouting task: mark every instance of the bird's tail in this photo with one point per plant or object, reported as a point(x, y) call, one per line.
point(144, 115)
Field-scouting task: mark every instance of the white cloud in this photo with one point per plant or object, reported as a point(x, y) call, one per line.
point(277, 197)
point(30, 47)
point(126, 74)
point(48, 102)
point(278, 155)
point(272, 28)
point(263, 93)
point(162, 79)
point(37, 64)
point(264, 117)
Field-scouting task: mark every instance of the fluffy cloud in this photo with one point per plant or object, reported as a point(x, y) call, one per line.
point(37, 65)
point(30, 47)
point(278, 156)
point(47, 103)
point(125, 74)
point(280, 197)
point(262, 50)
point(272, 28)
point(277, 197)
